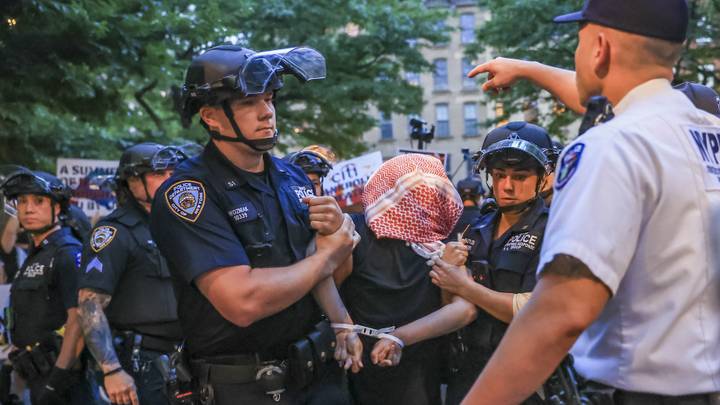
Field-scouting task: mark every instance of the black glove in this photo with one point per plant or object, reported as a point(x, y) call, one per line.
point(56, 386)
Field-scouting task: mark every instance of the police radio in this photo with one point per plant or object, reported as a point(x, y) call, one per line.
point(598, 110)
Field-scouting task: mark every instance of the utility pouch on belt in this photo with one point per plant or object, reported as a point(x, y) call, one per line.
point(22, 364)
point(41, 359)
point(309, 355)
point(480, 270)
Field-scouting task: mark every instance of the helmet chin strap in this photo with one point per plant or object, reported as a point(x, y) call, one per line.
point(148, 198)
point(520, 207)
point(260, 145)
point(54, 221)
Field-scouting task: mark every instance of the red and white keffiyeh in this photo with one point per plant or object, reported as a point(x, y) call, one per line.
point(411, 198)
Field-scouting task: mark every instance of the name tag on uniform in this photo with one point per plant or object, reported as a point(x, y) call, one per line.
point(243, 213)
point(302, 192)
point(706, 142)
point(526, 242)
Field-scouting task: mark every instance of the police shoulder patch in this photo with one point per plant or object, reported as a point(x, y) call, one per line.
point(186, 199)
point(568, 165)
point(101, 237)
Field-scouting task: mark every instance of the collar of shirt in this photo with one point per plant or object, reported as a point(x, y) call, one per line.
point(52, 238)
point(641, 93)
point(131, 214)
point(233, 177)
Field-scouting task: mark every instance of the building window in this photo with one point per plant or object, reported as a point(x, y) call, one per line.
point(412, 78)
point(442, 121)
point(471, 119)
point(440, 75)
point(467, 28)
point(441, 29)
point(386, 129)
point(467, 82)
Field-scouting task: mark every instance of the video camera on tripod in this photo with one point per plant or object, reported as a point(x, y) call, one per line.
point(420, 132)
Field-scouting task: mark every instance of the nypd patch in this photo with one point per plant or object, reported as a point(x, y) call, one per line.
point(568, 165)
point(101, 237)
point(186, 199)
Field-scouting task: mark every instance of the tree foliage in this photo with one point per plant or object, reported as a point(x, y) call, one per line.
point(84, 78)
point(523, 29)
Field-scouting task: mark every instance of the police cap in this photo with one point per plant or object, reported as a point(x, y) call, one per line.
point(663, 19)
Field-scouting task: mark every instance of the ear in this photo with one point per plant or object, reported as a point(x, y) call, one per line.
point(601, 55)
point(212, 116)
point(56, 208)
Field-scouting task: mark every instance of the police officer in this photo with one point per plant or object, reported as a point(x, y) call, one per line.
point(236, 224)
point(506, 247)
point(316, 161)
point(126, 299)
point(43, 322)
point(472, 192)
point(629, 270)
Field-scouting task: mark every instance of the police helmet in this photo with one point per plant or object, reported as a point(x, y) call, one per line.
point(147, 157)
point(519, 145)
point(228, 71)
point(554, 154)
point(703, 97)
point(470, 188)
point(25, 181)
point(310, 162)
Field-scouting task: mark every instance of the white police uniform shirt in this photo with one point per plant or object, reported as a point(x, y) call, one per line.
point(638, 201)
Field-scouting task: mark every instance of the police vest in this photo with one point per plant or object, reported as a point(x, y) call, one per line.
point(144, 295)
point(35, 299)
point(507, 264)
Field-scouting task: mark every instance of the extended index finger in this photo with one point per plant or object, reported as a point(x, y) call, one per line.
point(481, 68)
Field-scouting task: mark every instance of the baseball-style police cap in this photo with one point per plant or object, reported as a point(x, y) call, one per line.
point(704, 97)
point(664, 19)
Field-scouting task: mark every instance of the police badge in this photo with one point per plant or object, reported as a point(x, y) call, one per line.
point(186, 199)
point(101, 237)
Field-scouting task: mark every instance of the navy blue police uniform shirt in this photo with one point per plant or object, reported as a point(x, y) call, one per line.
point(506, 264)
point(121, 259)
point(45, 288)
point(211, 215)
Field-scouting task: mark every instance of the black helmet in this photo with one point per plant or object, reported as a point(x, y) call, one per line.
point(704, 97)
point(470, 188)
point(554, 154)
point(518, 144)
point(147, 157)
point(313, 159)
point(25, 181)
point(228, 71)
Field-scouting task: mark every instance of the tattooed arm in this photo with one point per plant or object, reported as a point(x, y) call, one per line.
point(566, 300)
point(119, 386)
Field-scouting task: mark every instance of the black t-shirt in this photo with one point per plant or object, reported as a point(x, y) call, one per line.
point(212, 215)
point(390, 283)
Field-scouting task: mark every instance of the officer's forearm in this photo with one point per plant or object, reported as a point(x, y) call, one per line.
point(9, 235)
point(497, 304)
point(72, 341)
point(449, 318)
point(244, 295)
point(96, 329)
point(560, 308)
point(328, 298)
point(559, 82)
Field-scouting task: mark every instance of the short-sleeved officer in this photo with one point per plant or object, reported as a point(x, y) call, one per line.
point(506, 246)
point(126, 280)
point(630, 265)
point(234, 224)
point(43, 296)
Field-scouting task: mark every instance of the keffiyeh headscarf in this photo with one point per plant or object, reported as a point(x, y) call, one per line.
point(410, 198)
